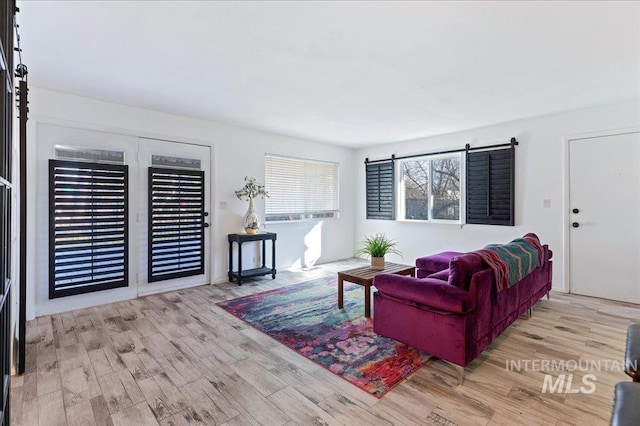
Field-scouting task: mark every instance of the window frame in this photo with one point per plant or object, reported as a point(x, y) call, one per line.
point(400, 190)
point(306, 216)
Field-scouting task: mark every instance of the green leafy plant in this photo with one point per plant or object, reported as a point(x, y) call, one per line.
point(251, 189)
point(377, 246)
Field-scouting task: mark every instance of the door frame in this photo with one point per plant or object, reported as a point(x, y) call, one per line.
point(566, 196)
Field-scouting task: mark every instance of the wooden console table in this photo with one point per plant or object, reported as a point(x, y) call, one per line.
point(255, 272)
point(364, 277)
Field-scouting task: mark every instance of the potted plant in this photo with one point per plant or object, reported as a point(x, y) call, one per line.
point(249, 191)
point(377, 247)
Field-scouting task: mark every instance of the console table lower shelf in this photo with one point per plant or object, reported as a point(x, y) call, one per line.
point(248, 273)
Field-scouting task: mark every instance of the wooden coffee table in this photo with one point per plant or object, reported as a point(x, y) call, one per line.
point(364, 277)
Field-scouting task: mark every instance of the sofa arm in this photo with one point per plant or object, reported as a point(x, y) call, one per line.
point(425, 292)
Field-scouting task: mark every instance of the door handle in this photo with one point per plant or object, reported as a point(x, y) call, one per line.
point(575, 224)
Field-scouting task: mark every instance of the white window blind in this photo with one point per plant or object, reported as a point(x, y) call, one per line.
point(300, 189)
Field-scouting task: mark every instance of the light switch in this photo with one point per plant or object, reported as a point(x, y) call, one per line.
point(546, 203)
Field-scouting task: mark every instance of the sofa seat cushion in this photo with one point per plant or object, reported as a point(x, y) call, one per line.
point(427, 293)
point(436, 262)
point(442, 275)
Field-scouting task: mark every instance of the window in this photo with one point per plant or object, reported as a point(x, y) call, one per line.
point(300, 189)
point(430, 188)
point(88, 227)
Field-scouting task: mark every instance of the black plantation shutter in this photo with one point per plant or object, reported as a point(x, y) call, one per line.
point(490, 187)
point(88, 232)
point(380, 181)
point(176, 223)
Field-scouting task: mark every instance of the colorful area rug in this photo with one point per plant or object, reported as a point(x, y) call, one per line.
point(306, 318)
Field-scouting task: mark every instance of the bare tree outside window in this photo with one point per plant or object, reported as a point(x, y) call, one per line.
point(432, 184)
point(416, 189)
point(445, 181)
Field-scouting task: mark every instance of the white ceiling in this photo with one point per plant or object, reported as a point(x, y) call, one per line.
point(348, 73)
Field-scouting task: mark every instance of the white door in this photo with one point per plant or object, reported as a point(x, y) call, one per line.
point(66, 143)
point(604, 197)
point(174, 252)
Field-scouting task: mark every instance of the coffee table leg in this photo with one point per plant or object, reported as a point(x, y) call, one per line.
point(367, 301)
point(340, 296)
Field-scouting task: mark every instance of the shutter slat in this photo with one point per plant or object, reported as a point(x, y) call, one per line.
point(88, 252)
point(89, 246)
point(86, 286)
point(81, 260)
point(81, 227)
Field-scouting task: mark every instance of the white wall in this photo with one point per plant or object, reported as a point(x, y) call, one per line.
point(540, 174)
point(237, 152)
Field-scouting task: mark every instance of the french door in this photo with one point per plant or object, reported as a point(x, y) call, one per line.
point(160, 207)
point(172, 231)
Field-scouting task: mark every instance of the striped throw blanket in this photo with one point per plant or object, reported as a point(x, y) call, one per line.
point(513, 261)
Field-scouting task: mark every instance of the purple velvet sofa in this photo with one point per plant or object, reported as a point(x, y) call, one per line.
point(453, 310)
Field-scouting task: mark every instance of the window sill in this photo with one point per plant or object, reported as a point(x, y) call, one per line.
point(303, 218)
point(434, 221)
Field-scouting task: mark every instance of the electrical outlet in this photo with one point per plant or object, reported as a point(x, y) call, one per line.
point(222, 205)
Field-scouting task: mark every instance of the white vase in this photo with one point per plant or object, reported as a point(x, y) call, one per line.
point(251, 219)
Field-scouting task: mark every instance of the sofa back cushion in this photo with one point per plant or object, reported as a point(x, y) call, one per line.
point(427, 293)
point(461, 268)
point(436, 262)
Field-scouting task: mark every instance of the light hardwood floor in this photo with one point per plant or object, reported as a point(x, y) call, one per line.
point(177, 359)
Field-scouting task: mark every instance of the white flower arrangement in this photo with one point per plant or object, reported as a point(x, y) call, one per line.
point(251, 189)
